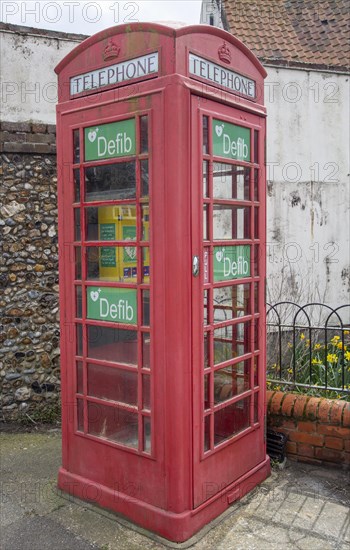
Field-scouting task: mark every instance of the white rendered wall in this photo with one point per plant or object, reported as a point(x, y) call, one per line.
point(28, 82)
point(308, 186)
point(307, 157)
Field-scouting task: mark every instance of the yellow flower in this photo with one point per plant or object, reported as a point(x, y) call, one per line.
point(347, 355)
point(316, 361)
point(335, 339)
point(346, 332)
point(289, 345)
point(302, 336)
point(332, 358)
point(290, 371)
point(317, 346)
point(340, 346)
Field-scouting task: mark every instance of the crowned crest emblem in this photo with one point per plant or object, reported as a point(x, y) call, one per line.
point(224, 53)
point(111, 50)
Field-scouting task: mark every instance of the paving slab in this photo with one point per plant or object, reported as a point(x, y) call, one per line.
point(301, 507)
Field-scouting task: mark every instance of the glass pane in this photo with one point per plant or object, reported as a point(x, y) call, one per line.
point(144, 134)
point(256, 259)
point(145, 222)
point(146, 434)
point(78, 302)
point(113, 424)
point(145, 265)
point(231, 381)
point(256, 146)
point(230, 342)
point(80, 415)
point(79, 339)
point(102, 264)
point(231, 420)
point(76, 147)
point(256, 372)
point(110, 182)
point(256, 297)
point(256, 223)
point(146, 392)
point(207, 391)
point(205, 178)
point(144, 178)
point(230, 302)
point(206, 350)
point(146, 350)
point(207, 433)
point(111, 223)
point(205, 136)
point(77, 225)
point(231, 182)
point(256, 334)
point(111, 263)
point(111, 383)
point(256, 407)
point(76, 176)
point(231, 222)
point(206, 307)
point(256, 184)
point(145, 308)
point(80, 377)
point(205, 222)
point(78, 262)
point(112, 344)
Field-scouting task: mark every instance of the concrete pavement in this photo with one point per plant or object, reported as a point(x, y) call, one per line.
point(301, 507)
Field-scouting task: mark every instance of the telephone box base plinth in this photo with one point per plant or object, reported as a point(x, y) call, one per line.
point(177, 527)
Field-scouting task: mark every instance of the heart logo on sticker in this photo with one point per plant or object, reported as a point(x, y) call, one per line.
point(219, 255)
point(94, 295)
point(219, 129)
point(92, 135)
point(130, 251)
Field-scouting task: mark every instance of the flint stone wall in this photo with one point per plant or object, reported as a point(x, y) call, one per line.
point(29, 323)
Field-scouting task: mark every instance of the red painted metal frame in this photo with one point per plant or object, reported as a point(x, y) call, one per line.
point(160, 491)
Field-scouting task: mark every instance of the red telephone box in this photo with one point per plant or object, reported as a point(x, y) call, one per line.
point(161, 145)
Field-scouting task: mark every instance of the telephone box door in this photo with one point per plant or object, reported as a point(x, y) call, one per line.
point(228, 232)
point(111, 420)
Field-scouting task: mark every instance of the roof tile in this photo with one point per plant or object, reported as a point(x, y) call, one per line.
point(314, 32)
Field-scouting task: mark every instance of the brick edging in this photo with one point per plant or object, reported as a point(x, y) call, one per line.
point(318, 429)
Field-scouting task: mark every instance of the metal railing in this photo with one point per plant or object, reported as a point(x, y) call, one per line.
point(308, 348)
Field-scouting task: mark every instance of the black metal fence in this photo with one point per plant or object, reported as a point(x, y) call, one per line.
point(308, 348)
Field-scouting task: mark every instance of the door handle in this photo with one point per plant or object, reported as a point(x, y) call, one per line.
point(195, 266)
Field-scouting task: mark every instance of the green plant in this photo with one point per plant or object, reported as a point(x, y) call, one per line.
point(314, 364)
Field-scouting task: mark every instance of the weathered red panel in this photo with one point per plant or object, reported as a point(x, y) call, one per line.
point(139, 436)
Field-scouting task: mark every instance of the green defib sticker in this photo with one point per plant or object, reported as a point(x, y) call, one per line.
point(231, 262)
point(129, 252)
point(230, 141)
point(117, 139)
point(108, 256)
point(118, 305)
point(107, 231)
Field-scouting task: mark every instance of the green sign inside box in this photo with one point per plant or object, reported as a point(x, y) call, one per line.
point(117, 139)
point(231, 262)
point(118, 305)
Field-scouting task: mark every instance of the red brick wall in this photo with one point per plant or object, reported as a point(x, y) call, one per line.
point(318, 429)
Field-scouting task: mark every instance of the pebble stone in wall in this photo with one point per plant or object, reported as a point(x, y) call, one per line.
point(29, 323)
